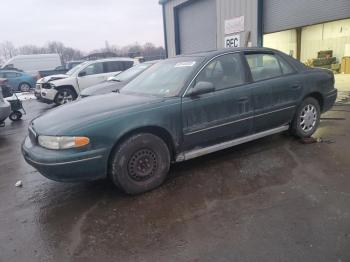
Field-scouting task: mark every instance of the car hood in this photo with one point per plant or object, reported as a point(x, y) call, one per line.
point(68, 118)
point(103, 88)
point(52, 78)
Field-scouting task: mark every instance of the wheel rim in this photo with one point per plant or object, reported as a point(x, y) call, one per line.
point(24, 87)
point(308, 118)
point(142, 165)
point(64, 97)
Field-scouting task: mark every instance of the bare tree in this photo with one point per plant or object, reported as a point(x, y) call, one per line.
point(7, 50)
point(149, 51)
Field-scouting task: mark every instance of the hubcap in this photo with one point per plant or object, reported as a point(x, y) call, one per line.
point(308, 118)
point(64, 97)
point(142, 165)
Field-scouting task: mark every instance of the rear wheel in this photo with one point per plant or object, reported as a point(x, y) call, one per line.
point(140, 163)
point(307, 118)
point(64, 96)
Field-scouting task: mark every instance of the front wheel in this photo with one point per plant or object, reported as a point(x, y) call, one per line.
point(64, 96)
point(307, 118)
point(139, 164)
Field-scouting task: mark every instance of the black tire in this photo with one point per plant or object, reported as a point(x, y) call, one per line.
point(24, 87)
point(311, 119)
point(64, 96)
point(15, 116)
point(139, 164)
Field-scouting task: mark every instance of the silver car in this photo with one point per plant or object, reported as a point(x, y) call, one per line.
point(5, 107)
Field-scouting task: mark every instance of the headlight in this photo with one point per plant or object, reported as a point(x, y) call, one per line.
point(62, 142)
point(52, 86)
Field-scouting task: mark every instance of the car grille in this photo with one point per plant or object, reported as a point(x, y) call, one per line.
point(46, 86)
point(32, 135)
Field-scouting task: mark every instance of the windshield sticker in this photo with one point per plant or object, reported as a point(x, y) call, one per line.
point(185, 64)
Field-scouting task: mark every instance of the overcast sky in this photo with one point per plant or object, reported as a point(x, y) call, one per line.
point(82, 24)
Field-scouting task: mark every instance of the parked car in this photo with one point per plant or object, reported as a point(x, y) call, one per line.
point(179, 109)
point(118, 81)
point(5, 107)
point(19, 81)
point(31, 64)
point(61, 89)
point(59, 70)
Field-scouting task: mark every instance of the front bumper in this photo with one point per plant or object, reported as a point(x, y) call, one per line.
point(37, 91)
point(329, 100)
point(66, 165)
point(47, 95)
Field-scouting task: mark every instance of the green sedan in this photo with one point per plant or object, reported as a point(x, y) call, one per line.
point(179, 109)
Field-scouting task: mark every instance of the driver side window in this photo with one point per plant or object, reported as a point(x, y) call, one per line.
point(224, 72)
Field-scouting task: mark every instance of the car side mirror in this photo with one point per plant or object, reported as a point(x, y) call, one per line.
point(82, 73)
point(201, 88)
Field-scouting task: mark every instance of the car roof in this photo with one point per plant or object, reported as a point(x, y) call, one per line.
point(113, 59)
point(209, 54)
point(11, 71)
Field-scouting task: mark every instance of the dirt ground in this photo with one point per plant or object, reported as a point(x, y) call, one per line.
point(274, 199)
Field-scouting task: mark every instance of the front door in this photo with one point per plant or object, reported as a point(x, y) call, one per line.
point(91, 75)
point(223, 114)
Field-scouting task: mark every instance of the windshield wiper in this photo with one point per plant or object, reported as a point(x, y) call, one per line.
point(116, 91)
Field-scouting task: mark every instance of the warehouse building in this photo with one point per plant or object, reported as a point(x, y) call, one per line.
point(316, 32)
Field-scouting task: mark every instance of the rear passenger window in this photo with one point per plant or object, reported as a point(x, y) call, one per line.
point(224, 72)
point(113, 66)
point(263, 66)
point(128, 64)
point(10, 75)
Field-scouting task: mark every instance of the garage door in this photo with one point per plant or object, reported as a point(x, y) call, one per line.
point(196, 26)
point(281, 14)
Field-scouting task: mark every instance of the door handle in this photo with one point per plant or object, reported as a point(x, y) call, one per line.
point(243, 99)
point(296, 86)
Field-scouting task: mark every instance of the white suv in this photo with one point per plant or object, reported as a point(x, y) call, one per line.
point(61, 89)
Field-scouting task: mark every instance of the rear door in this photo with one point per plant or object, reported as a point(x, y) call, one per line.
point(224, 114)
point(275, 90)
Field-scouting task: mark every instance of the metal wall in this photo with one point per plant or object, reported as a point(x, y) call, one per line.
point(225, 9)
point(197, 26)
point(228, 9)
point(281, 14)
point(169, 8)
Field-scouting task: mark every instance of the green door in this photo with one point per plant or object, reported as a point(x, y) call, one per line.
point(223, 114)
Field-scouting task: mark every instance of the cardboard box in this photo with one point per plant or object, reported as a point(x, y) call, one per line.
point(345, 65)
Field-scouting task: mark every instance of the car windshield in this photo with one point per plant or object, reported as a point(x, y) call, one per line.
point(165, 78)
point(130, 73)
point(76, 68)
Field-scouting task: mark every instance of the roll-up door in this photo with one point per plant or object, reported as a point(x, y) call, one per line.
point(281, 14)
point(196, 26)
